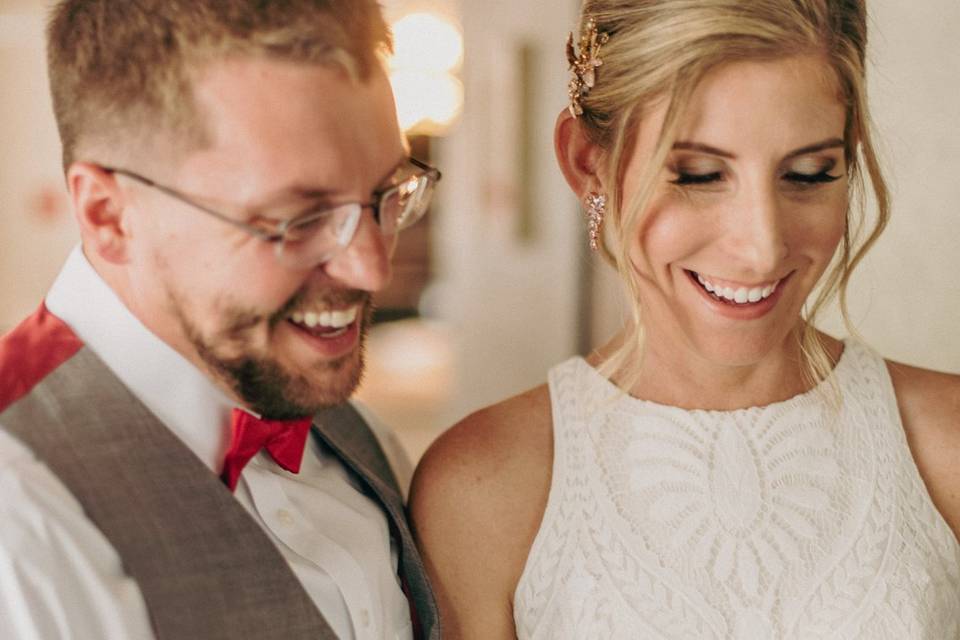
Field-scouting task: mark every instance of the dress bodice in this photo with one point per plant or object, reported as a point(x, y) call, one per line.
point(800, 520)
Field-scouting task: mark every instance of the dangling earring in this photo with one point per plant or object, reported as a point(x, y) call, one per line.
point(596, 208)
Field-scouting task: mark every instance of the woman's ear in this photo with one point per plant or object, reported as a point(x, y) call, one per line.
point(99, 207)
point(579, 158)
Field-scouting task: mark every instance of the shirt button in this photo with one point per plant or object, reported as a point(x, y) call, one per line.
point(364, 618)
point(285, 517)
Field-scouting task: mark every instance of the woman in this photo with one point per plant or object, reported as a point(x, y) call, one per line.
point(721, 469)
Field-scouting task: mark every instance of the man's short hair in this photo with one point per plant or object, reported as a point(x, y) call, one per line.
point(121, 69)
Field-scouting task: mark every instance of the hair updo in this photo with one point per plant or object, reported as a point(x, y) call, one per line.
point(662, 49)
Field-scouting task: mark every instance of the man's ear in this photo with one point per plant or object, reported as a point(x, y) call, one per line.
point(99, 206)
point(579, 158)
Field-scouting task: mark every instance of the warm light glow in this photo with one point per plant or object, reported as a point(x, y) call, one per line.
point(427, 42)
point(427, 102)
point(410, 363)
point(428, 50)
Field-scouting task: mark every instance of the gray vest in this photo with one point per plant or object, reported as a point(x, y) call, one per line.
point(206, 569)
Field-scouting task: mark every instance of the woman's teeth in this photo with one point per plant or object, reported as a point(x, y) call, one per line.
point(740, 295)
point(326, 319)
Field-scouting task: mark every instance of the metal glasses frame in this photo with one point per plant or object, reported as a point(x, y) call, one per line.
point(280, 233)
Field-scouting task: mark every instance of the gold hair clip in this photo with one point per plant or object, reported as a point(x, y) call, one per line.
point(583, 65)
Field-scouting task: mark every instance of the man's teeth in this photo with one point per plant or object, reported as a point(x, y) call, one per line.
point(741, 295)
point(331, 319)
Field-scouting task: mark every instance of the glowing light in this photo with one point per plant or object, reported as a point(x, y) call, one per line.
point(428, 42)
point(411, 363)
point(428, 50)
point(427, 102)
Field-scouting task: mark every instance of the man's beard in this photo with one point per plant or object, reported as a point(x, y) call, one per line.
point(266, 386)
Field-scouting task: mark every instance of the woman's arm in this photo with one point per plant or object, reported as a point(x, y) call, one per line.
point(929, 404)
point(477, 499)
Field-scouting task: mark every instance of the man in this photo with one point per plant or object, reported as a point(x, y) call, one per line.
point(239, 178)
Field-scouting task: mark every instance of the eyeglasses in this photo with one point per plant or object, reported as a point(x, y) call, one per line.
point(317, 236)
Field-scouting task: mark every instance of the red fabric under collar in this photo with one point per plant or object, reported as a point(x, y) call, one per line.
point(31, 351)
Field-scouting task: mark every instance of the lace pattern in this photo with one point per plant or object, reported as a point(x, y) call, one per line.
point(786, 521)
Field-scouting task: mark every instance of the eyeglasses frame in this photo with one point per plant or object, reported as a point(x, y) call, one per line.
point(279, 234)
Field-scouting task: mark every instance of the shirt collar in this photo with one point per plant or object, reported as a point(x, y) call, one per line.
point(169, 385)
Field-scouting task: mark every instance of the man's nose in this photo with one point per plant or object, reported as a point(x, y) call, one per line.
point(363, 264)
point(758, 239)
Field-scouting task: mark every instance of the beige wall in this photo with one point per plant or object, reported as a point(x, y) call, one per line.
point(35, 228)
point(510, 299)
point(906, 300)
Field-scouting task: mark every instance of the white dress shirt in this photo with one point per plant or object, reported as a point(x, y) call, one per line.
point(61, 578)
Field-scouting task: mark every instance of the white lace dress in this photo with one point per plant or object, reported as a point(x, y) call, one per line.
point(784, 521)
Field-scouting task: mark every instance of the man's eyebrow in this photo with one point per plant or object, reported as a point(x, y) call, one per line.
point(308, 193)
point(686, 145)
point(294, 193)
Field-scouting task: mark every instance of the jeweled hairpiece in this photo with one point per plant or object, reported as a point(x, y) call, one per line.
point(583, 64)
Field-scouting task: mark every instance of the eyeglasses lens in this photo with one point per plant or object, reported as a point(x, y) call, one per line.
point(316, 239)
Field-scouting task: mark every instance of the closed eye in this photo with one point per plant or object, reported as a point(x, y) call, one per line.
point(696, 178)
point(811, 178)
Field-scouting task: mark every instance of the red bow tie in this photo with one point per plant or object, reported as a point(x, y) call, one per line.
point(284, 439)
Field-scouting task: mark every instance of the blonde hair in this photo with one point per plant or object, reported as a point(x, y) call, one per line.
point(120, 70)
point(662, 49)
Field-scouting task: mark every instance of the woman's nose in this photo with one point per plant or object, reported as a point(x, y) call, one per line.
point(757, 237)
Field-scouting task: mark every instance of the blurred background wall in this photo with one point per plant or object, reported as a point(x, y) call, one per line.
point(499, 285)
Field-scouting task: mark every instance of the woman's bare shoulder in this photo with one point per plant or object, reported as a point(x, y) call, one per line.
point(929, 403)
point(517, 421)
point(477, 499)
point(928, 399)
point(491, 461)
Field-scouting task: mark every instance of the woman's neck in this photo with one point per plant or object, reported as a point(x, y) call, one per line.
point(677, 375)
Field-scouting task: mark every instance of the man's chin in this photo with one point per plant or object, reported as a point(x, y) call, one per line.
point(284, 378)
point(327, 385)
point(280, 391)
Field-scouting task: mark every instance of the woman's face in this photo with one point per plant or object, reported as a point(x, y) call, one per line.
point(747, 212)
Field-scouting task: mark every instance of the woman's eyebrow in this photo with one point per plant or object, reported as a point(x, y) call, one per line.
point(831, 143)
point(686, 145)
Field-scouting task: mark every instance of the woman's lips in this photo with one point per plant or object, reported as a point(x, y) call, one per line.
point(742, 302)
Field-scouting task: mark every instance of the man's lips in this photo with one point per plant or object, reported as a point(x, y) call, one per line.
point(328, 341)
point(325, 320)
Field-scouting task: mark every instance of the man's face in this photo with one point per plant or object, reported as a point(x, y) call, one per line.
point(285, 139)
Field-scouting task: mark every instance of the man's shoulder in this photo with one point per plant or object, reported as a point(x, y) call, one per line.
point(35, 503)
point(47, 540)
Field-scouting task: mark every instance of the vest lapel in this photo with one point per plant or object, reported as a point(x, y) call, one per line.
point(206, 570)
point(344, 431)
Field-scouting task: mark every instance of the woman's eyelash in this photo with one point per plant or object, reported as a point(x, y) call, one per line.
point(696, 178)
point(824, 176)
point(811, 178)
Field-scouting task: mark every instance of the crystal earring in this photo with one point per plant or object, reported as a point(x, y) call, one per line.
point(596, 208)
